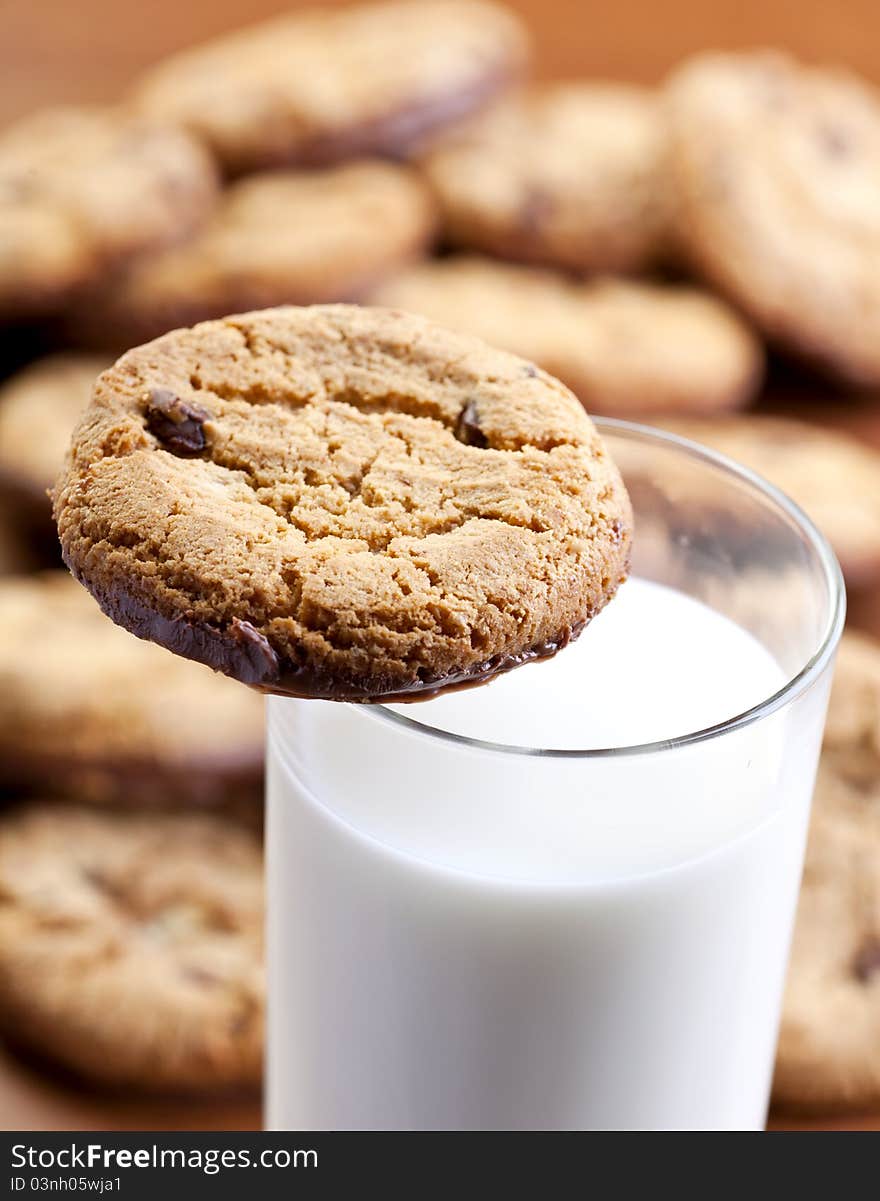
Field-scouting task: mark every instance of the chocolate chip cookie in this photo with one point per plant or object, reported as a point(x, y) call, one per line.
point(84, 189)
point(88, 711)
point(341, 502)
point(568, 175)
point(623, 347)
point(131, 946)
point(833, 477)
point(277, 238)
point(776, 170)
point(829, 1046)
point(318, 86)
point(39, 408)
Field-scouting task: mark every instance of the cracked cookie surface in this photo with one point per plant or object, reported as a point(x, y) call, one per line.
point(131, 947)
point(829, 1044)
point(342, 502)
point(319, 86)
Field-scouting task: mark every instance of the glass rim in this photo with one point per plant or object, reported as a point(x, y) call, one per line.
point(785, 695)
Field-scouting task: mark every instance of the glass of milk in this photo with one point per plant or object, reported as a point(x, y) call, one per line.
point(564, 900)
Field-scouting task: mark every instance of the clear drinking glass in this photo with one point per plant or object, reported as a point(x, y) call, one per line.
point(470, 935)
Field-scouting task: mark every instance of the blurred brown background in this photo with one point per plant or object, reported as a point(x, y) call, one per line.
point(60, 50)
point(87, 49)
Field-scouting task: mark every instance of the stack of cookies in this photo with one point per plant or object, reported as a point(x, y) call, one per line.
point(648, 246)
point(274, 167)
point(130, 859)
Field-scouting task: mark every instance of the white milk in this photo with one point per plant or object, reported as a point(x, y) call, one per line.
point(462, 938)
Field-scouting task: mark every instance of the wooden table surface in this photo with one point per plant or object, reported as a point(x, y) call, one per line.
point(59, 50)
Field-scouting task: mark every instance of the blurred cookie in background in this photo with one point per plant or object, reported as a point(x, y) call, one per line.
point(277, 238)
point(624, 348)
point(566, 175)
point(318, 86)
point(84, 189)
point(776, 172)
point(831, 475)
point(131, 946)
point(38, 409)
point(829, 1045)
point(87, 711)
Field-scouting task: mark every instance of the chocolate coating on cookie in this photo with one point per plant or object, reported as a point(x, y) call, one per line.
point(244, 653)
point(382, 508)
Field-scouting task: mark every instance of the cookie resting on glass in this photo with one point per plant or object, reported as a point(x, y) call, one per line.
point(342, 502)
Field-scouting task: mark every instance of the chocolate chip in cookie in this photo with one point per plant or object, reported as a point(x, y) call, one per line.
point(179, 426)
point(467, 428)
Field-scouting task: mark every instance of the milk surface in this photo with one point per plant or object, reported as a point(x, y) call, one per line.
point(655, 664)
point(470, 938)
